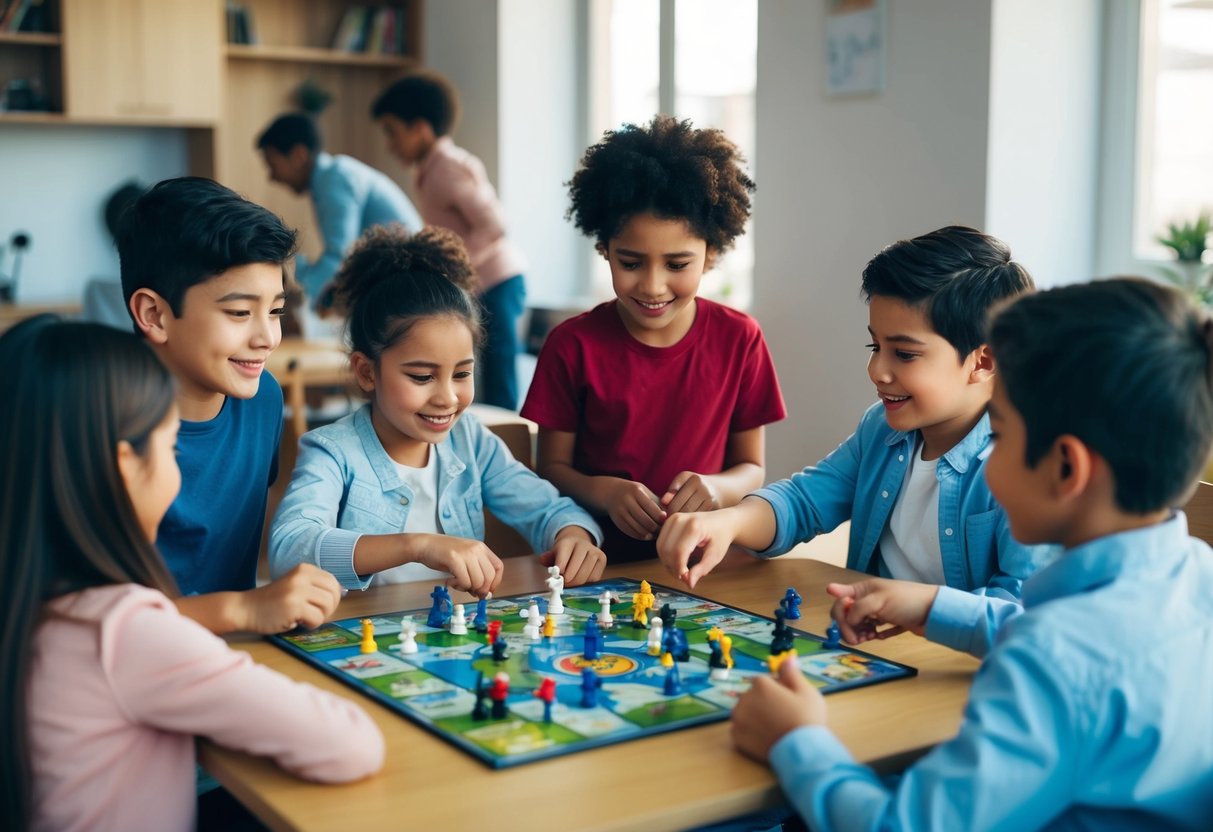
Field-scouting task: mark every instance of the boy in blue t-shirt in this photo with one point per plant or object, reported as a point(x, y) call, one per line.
point(1090, 707)
point(203, 279)
point(910, 478)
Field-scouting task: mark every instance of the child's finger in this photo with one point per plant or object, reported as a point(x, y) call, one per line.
point(679, 503)
point(792, 677)
point(713, 553)
point(842, 590)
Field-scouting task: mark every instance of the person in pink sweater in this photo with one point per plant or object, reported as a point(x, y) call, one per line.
point(106, 683)
point(452, 190)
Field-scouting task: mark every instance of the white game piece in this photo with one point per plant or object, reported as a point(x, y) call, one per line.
point(408, 635)
point(534, 620)
point(555, 583)
point(459, 622)
point(605, 619)
point(655, 625)
point(718, 674)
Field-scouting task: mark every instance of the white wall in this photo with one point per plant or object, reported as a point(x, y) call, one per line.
point(54, 181)
point(841, 178)
point(1044, 114)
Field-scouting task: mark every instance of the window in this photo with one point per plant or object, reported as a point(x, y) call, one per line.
point(1174, 170)
point(695, 59)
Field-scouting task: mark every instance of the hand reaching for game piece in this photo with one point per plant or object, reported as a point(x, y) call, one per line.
point(772, 708)
point(304, 597)
point(690, 545)
point(691, 492)
point(634, 509)
point(575, 554)
point(863, 607)
point(474, 567)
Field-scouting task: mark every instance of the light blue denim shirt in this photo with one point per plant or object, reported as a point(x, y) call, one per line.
point(1090, 711)
point(349, 197)
point(860, 482)
point(345, 485)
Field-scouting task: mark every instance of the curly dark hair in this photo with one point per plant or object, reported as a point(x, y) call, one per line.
point(391, 279)
point(669, 169)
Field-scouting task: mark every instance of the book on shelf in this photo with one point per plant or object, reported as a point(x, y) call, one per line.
point(22, 16)
point(240, 24)
point(371, 29)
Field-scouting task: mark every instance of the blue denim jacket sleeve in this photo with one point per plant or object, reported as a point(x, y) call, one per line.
point(519, 497)
point(305, 526)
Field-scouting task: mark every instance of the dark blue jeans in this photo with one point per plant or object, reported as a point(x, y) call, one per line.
point(498, 372)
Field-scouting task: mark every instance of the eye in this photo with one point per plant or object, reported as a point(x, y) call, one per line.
point(629, 266)
point(677, 267)
point(278, 311)
point(873, 347)
point(238, 313)
point(907, 356)
point(463, 374)
point(420, 379)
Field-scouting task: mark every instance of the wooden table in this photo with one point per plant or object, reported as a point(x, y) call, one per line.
point(672, 781)
point(13, 313)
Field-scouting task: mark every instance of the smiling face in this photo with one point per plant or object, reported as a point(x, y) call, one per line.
point(656, 267)
point(419, 386)
point(228, 327)
point(919, 379)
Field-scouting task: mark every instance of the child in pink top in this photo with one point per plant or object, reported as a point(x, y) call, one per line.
point(107, 683)
point(453, 191)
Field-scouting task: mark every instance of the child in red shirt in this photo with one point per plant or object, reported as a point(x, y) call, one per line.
point(655, 403)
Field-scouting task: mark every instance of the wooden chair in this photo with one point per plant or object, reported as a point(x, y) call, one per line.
point(518, 435)
point(1199, 510)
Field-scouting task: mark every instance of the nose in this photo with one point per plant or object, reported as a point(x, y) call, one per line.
point(267, 333)
point(878, 369)
point(652, 281)
point(444, 393)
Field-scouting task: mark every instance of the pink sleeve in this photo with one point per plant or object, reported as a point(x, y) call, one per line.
point(170, 673)
point(759, 401)
point(476, 202)
point(553, 398)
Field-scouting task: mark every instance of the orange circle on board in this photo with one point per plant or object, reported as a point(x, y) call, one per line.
point(607, 664)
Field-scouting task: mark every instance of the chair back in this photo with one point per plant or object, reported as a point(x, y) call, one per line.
point(1200, 512)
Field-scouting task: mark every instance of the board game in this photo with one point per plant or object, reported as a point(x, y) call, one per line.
point(630, 688)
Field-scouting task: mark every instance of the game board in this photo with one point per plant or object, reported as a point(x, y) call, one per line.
point(435, 687)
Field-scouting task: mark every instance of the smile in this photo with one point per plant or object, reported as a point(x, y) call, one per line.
point(659, 305)
point(894, 399)
point(438, 421)
point(248, 367)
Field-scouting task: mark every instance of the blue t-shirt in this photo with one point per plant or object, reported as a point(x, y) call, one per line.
point(211, 535)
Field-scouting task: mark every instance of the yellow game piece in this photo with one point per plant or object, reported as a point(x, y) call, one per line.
point(715, 632)
point(642, 602)
point(667, 660)
point(368, 636)
point(549, 625)
point(774, 662)
point(726, 650)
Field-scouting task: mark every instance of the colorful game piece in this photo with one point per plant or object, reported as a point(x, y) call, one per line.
point(499, 650)
point(590, 683)
point(481, 622)
point(655, 638)
point(494, 631)
point(555, 584)
point(368, 636)
point(782, 636)
point(791, 604)
point(669, 642)
point(833, 636)
point(408, 635)
point(479, 712)
point(440, 611)
point(714, 633)
point(672, 686)
point(674, 637)
point(593, 638)
point(549, 624)
point(605, 619)
point(498, 691)
point(546, 692)
point(774, 661)
point(534, 620)
point(642, 602)
point(459, 622)
point(721, 660)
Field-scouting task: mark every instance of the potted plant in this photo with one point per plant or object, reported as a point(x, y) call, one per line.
point(1189, 241)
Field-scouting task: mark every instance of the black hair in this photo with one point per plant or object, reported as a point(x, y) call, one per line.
point(421, 95)
point(391, 280)
point(667, 168)
point(1126, 366)
point(955, 275)
point(289, 130)
point(116, 205)
point(73, 392)
point(185, 231)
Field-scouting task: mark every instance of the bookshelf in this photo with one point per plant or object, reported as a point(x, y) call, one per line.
point(30, 62)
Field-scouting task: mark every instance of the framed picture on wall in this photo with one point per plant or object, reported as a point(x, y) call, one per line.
point(855, 47)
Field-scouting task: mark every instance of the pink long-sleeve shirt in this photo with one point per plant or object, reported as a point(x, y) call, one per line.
point(120, 685)
point(454, 192)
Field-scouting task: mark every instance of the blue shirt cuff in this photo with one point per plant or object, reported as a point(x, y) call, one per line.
point(336, 555)
point(955, 618)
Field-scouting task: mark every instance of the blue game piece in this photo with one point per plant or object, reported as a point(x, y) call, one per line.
point(593, 638)
point(499, 649)
point(440, 612)
point(791, 604)
point(590, 683)
point(833, 636)
point(673, 682)
point(481, 622)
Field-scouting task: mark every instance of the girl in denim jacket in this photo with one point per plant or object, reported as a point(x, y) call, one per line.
point(396, 491)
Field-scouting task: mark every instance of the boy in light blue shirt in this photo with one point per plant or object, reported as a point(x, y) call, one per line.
point(1090, 709)
point(910, 478)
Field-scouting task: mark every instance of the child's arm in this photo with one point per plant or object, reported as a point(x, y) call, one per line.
point(340, 219)
point(474, 567)
point(631, 506)
point(478, 205)
point(743, 472)
point(690, 545)
point(304, 597)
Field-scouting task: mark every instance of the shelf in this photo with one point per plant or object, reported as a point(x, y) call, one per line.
point(32, 38)
point(315, 55)
point(31, 117)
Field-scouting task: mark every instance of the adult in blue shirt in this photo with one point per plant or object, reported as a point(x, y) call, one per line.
point(349, 196)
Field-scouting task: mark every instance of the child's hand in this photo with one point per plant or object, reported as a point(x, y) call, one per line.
point(861, 608)
point(304, 597)
point(772, 708)
point(634, 509)
point(474, 567)
point(691, 492)
point(691, 545)
point(579, 560)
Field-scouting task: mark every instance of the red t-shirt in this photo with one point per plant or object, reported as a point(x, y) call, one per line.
point(646, 413)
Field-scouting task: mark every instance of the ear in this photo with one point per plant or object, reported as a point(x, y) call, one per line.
point(299, 155)
point(603, 251)
point(364, 372)
point(152, 314)
point(1072, 467)
point(983, 365)
point(130, 466)
point(709, 259)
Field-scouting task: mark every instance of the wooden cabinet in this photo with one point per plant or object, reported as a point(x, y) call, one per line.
point(158, 61)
